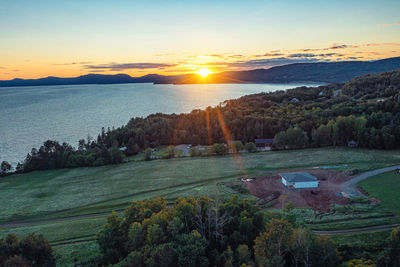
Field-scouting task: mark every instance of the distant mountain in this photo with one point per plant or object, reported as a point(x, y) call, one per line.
point(332, 72)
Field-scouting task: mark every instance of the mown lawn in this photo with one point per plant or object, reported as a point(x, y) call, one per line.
point(385, 187)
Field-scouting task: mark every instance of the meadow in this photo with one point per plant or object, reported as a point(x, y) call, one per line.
point(70, 205)
point(385, 187)
point(67, 192)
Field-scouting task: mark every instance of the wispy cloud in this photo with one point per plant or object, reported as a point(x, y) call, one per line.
point(261, 63)
point(389, 24)
point(236, 56)
point(309, 49)
point(340, 46)
point(392, 44)
point(275, 54)
point(301, 55)
point(128, 66)
point(73, 63)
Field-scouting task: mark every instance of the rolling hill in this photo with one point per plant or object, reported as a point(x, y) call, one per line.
point(332, 72)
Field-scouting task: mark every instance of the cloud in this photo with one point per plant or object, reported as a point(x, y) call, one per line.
point(392, 44)
point(236, 56)
point(215, 55)
point(340, 46)
point(309, 49)
point(128, 66)
point(311, 55)
point(262, 63)
point(73, 63)
point(301, 55)
point(330, 55)
point(269, 55)
point(389, 24)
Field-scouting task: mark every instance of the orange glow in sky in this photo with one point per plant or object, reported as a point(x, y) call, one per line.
point(203, 72)
point(75, 37)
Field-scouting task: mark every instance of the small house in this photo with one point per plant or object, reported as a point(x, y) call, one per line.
point(262, 143)
point(123, 149)
point(352, 143)
point(299, 180)
point(294, 100)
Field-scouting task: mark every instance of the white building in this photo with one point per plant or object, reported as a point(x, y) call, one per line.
point(299, 180)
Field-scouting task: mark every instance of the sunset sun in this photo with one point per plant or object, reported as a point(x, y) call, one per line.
point(204, 72)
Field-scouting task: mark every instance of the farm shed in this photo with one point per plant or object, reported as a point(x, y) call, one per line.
point(299, 180)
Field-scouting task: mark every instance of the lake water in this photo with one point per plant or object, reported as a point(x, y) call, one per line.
point(31, 115)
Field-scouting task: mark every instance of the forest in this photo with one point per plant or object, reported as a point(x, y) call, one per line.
point(365, 110)
point(201, 232)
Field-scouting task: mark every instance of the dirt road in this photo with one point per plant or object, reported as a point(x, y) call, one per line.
point(357, 230)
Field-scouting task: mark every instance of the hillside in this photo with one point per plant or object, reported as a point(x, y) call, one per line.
point(70, 206)
point(333, 72)
point(364, 110)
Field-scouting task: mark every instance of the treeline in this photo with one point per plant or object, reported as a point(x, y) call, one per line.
point(208, 232)
point(203, 232)
point(339, 108)
point(52, 155)
point(33, 250)
point(365, 110)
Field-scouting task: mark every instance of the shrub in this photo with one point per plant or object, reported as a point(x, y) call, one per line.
point(147, 154)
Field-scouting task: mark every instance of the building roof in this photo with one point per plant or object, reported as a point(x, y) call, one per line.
point(264, 141)
point(295, 177)
point(233, 141)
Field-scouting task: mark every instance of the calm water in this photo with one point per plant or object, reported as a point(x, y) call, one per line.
point(31, 115)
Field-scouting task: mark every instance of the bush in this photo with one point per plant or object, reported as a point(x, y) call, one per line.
point(361, 200)
point(251, 147)
point(352, 172)
point(240, 189)
point(169, 153)
point(147, 154)
point(219, 149)
point(236, 146)
point(34, 250)
point(194, 152)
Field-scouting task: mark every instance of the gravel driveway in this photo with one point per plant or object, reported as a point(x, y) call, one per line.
point(350, 186)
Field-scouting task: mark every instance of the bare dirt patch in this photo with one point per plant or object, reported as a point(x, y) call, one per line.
point(320, 199)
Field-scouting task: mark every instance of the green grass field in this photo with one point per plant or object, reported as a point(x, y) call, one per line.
point(385, 187)
point(46, 199)
point(60, 193)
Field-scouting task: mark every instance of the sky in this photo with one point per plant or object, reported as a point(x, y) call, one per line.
point(41, 38)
